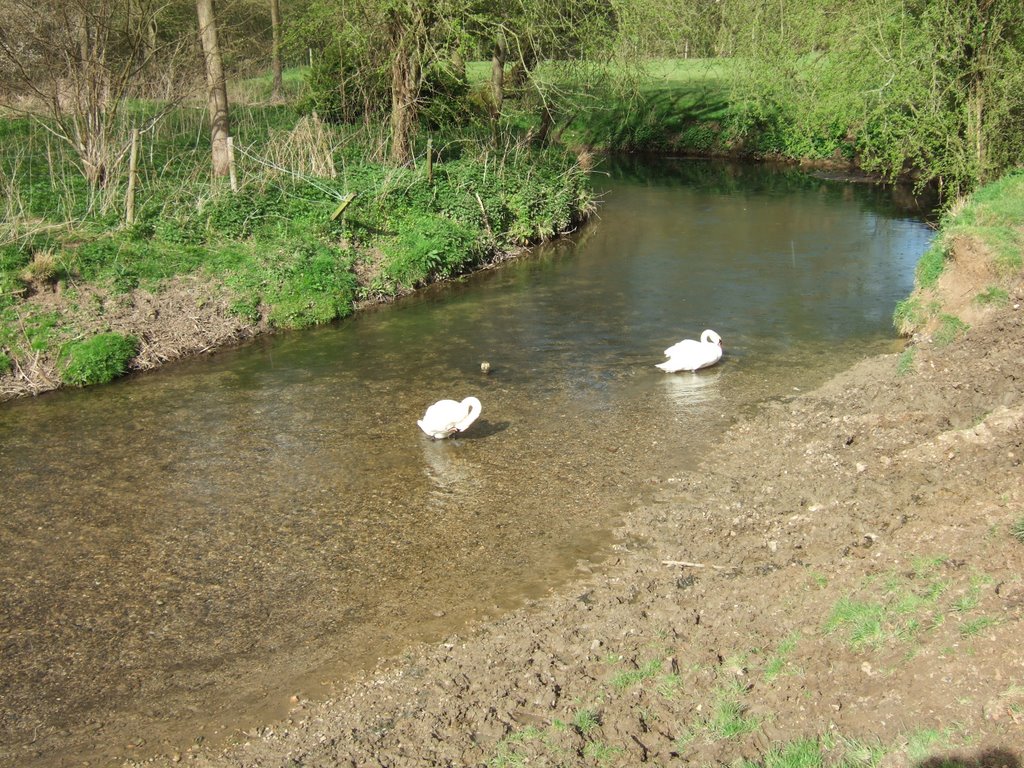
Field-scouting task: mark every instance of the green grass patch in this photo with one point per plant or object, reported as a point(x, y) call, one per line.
point(98, 360)
point(1017, 529)
point(932, 264)
point(950, 329)
point(905, 362)
point(993, 295)
point(631, 677)
point(780, 661)
point(905, 606)
point(585, 720)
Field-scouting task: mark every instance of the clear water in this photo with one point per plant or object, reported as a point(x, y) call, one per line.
point(183, 551)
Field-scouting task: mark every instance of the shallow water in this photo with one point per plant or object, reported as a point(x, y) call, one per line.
point(184, 551)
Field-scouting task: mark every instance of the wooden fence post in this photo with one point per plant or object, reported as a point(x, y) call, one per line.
point(231, 164)
point(133, 162)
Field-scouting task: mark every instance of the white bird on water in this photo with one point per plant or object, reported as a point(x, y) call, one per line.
point(690, 355)
point(445, 417)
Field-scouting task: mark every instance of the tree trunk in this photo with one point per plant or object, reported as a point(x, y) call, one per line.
point(405, 78)
point(275, 26)
point(217, 88)
point(498, 78)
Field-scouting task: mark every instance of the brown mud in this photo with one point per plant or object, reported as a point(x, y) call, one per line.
point(842, 568)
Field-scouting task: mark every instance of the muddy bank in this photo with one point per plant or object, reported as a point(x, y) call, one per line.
point(842, 568)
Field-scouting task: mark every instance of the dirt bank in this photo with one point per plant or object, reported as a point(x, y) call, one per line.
point(841, 569)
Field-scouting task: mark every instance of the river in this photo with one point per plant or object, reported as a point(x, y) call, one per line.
point(183, 552)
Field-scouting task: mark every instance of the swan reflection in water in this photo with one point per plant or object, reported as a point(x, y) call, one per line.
point(685, 390)
point(448, 465)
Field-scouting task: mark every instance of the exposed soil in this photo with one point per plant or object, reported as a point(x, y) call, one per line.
point(841, 568)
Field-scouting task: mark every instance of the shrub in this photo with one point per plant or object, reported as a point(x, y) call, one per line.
point(97, 360)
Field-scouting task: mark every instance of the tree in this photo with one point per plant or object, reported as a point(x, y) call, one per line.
point(74, 62)
point(216, 88)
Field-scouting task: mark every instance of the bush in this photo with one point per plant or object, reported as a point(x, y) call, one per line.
point(97, 360)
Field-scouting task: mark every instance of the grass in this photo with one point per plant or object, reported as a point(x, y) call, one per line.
point(993, 295)
point(780, 661)
point(628, 678)
point(1017, 529)
point(905, 362)
point(904, 607)
point(950, 329)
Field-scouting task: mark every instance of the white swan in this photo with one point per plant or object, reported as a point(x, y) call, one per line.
point(689, 355)
point(445, 417)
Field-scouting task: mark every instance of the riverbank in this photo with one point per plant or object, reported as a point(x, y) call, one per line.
point(86, 301)
point(841, 580)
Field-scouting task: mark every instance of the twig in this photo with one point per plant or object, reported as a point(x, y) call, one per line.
point(684, 564)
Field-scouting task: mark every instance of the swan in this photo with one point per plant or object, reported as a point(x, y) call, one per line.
point(689, 355)
point(445, 417)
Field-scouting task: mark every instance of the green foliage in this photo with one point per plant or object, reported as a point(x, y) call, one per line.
point(338, 91)
point(444, 96)
point(97, 360)
point(428, 247)
point(6, 364)
point(309, 283)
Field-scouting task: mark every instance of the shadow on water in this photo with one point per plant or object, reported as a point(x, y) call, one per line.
point(182, 552)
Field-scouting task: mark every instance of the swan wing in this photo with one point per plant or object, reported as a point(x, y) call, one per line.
point(684, 347)
point(690, 355)
point(442, 418)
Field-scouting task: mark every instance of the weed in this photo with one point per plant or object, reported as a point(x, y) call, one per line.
point(602, 753)
point(922, 744)
point(950, 329)
point(669, 685)
point(729, 721)
point(977, 626)
point(993, 296)
point(932, 264)
point(778, 663)
point(862, 620)
point(630, 677)
point(585, 721)
point(908, 315)
point(905, 362)
point(925, 567)
point(967, 602)
point(861, 754)
point(805, 753)
point(1017, 529)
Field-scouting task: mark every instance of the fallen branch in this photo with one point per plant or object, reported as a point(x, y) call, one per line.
point(684, 564)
